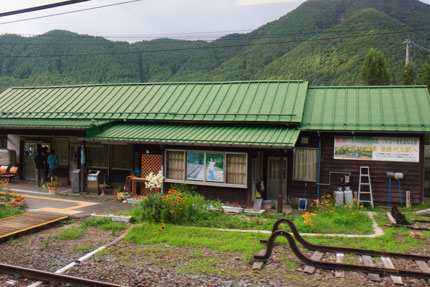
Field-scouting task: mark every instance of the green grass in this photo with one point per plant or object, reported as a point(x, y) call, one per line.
point(176, 236)
point(341, 220)
point(70, 234)
point(85, 248)
point(103, 223)
point(8, 212)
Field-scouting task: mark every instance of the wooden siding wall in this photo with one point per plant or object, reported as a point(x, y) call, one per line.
point(413, 181)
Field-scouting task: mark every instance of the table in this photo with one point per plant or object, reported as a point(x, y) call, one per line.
point(133, 180)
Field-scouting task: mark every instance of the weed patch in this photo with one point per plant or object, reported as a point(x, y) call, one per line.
point(176, 236)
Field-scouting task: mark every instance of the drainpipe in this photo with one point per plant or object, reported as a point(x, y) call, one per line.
point(319, 165)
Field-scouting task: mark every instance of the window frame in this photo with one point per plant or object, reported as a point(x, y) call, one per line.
point(294, 177)
point(205, 182)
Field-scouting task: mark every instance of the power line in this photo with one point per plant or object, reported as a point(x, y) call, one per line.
point(238, 38)
point(42, 7)
point(69, 12)
point(220, 46)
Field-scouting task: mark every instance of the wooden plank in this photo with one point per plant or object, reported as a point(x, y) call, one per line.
point(367, 260)
point(15, 225)
point(339, 259)
point(316, 256)
point(388, 264)
point(423, 266)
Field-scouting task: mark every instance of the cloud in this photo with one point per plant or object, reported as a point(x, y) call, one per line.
point(263, 2)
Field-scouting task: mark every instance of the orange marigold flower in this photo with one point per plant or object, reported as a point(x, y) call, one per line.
point(171, 211)
point(313, 214)
point(331, 211)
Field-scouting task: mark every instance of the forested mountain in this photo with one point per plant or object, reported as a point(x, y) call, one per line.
point(323, 41)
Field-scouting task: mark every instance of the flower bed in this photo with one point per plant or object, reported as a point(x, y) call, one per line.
point(11, 199)
point(254, 211)
point(232, 209)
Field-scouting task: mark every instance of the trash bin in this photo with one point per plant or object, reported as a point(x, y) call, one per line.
point(93, 181)
point(75, 181)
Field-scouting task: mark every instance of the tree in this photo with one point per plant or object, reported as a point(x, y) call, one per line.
point(408, 75)
point(374, 71)
point(425, 75)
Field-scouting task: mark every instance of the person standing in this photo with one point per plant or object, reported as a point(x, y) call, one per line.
point(40, 163)
point(52, 162)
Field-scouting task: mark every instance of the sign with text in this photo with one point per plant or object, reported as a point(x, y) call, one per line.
point(377, 148)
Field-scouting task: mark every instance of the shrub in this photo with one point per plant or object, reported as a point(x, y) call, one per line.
point(173, 207)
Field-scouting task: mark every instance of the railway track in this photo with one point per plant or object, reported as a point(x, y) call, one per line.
point(367, 256)
point(51, 277)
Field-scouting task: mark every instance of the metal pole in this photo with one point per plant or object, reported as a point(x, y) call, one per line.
point(82, 181)
point(281, 182)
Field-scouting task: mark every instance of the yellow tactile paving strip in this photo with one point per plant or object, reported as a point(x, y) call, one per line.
point(67, 210)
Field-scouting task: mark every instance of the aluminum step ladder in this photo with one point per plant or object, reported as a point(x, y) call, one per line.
point(364, 186)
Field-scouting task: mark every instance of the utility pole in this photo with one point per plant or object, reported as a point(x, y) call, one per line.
point(408, 50)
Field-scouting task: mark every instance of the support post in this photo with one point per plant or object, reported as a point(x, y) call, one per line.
point(82, 181)
point(249, 181)
point(281, 182)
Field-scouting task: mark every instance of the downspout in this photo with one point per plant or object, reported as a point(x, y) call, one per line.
point(319, 165)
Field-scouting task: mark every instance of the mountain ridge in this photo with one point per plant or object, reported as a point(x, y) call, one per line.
point(322, 41)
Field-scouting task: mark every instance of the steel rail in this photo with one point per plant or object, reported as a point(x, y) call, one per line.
point(332, 265)
point(52, 277)
point(336, 249)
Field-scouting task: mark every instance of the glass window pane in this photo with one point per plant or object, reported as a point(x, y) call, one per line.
point(236, 169)
point(305, 163)
point(215, 167)
point(195, 165)
point(175, 165)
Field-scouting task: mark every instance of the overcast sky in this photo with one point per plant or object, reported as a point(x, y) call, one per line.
point(146, 19)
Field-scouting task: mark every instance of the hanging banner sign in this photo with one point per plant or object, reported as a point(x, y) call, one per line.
point(377, 148)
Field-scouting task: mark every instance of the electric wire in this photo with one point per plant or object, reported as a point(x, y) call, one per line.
point(238, 38)
point(42, 7)
point(137, 51)
point(69, 12)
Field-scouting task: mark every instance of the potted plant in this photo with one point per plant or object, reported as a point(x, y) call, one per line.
point(252, 210)
point(52, 187)
point(102, 187)
point(232, 208)
point(154, 181)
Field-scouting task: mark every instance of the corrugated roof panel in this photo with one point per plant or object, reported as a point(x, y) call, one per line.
point(263, 101)
point(207, 134)
point(51, 123)
point(405, 109)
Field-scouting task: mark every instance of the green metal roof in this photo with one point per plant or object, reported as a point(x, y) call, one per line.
point(50, 123)
point(202, 134)
point(262, 101)
point(391, 108)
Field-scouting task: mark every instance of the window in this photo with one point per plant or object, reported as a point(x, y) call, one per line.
point(175, 164)
point(305, 164)
point(236, 168)
point(208, 168)
point(61, 147)
point(97, 156)
point(122, 156)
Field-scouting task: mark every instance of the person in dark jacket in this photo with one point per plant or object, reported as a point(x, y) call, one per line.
point(40, 165)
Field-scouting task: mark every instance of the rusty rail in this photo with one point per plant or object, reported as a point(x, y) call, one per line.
point(336, 249)
point(332, 265)
point(52, 277)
